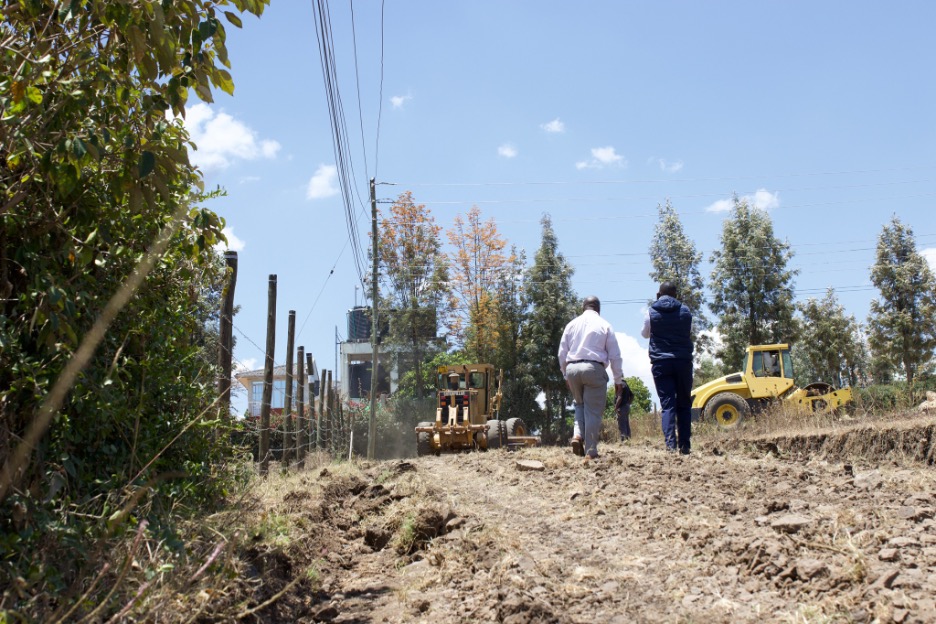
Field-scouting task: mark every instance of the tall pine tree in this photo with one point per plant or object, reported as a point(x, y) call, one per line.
point(675, 259)
point(751, 284)
point(902, 323)
point(830, 346)
point(553, 303)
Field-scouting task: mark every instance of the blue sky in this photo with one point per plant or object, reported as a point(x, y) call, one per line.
point(822, 113)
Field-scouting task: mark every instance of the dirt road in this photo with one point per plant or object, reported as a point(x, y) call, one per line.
point(747, 535)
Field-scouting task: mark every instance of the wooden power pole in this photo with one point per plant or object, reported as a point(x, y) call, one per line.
point(375, 292)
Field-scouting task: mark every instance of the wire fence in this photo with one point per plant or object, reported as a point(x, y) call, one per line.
point(338, 426)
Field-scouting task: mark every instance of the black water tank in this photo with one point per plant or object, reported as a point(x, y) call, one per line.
point(359, 324)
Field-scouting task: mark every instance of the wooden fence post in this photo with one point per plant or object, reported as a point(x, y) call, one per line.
point(330, 400)
point(268, 378)
point(226, 336)
point(310, 370)
point(320, 415)
point(300, 410)
point(287, 404)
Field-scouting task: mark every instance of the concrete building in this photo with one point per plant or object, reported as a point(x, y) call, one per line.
point(253, 381)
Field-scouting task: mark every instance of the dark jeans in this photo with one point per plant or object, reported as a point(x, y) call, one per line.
point(623, 418)
point(673, 380)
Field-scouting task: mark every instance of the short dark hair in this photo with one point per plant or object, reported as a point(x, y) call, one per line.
point(667, 289)
point(591, 302)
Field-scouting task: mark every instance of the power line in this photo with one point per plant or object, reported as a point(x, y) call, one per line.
point(668, 180)
point(357, 81)
point(380, 97)
point(340, 143)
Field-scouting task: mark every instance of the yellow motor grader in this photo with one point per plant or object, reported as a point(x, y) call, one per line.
point(467, 410)
point(767, 377)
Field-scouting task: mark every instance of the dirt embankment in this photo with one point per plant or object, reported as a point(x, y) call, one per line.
point(764, 531)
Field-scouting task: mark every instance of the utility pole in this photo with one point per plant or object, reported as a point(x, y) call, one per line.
point(372, 427)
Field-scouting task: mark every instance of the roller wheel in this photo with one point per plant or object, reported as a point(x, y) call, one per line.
point(818, 388)
point(424, 441)
point(727, 410)
point(496, 434)
point(516, 427)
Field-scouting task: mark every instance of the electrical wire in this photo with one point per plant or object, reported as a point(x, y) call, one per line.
point(340, 143)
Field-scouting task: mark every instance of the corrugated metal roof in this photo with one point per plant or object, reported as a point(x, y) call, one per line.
point(278, 371)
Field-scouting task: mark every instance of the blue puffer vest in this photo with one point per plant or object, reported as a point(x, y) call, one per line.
point(670, 330)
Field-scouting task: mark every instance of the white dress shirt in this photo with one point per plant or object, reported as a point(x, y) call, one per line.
point(590, 337)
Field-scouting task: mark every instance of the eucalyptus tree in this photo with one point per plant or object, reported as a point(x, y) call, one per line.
point(751, 284)
point(553, 303)
point(902, 322)
point(477, 263)
point(830, 344)
point(674, 259)
point(417, 275)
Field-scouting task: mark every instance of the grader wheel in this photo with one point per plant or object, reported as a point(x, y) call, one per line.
point(515, 427)
point(497, 434)
point(424, 441)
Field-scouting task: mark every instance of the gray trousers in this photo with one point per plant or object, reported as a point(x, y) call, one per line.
point(588, 382)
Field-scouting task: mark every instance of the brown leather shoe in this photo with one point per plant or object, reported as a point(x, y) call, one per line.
point(577, 447)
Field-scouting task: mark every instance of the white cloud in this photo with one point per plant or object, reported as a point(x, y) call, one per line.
point(762, 198)
point(507, 150)
point(233, 242)
point(670, 167)
point(722, 205)
point(553, 126)
point(765, 200)
point(247, 179)
point(602, 157)
point(322, 183)
point(399, 100)
point(221, 139)
point(930, 255)
point(247, 364)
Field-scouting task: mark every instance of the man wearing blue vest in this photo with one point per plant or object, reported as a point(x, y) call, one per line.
point(668, 325)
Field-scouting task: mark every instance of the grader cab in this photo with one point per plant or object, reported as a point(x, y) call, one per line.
point(767, 377)
point(467, 410)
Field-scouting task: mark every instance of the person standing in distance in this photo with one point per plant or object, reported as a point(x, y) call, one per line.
point(668, 325)
point(588, 345)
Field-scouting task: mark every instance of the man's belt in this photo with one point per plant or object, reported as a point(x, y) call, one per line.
point(586, 362)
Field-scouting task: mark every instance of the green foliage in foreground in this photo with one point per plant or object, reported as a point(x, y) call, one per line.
point(91, 169)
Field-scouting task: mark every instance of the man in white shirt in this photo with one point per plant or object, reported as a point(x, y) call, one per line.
point(588, 346)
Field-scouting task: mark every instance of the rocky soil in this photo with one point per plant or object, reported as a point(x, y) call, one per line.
point(765, 530)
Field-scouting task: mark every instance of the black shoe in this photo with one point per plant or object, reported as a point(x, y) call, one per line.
point(683, 451)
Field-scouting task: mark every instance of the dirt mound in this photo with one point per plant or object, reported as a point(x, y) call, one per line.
point(905, 441)
point(791, 528)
